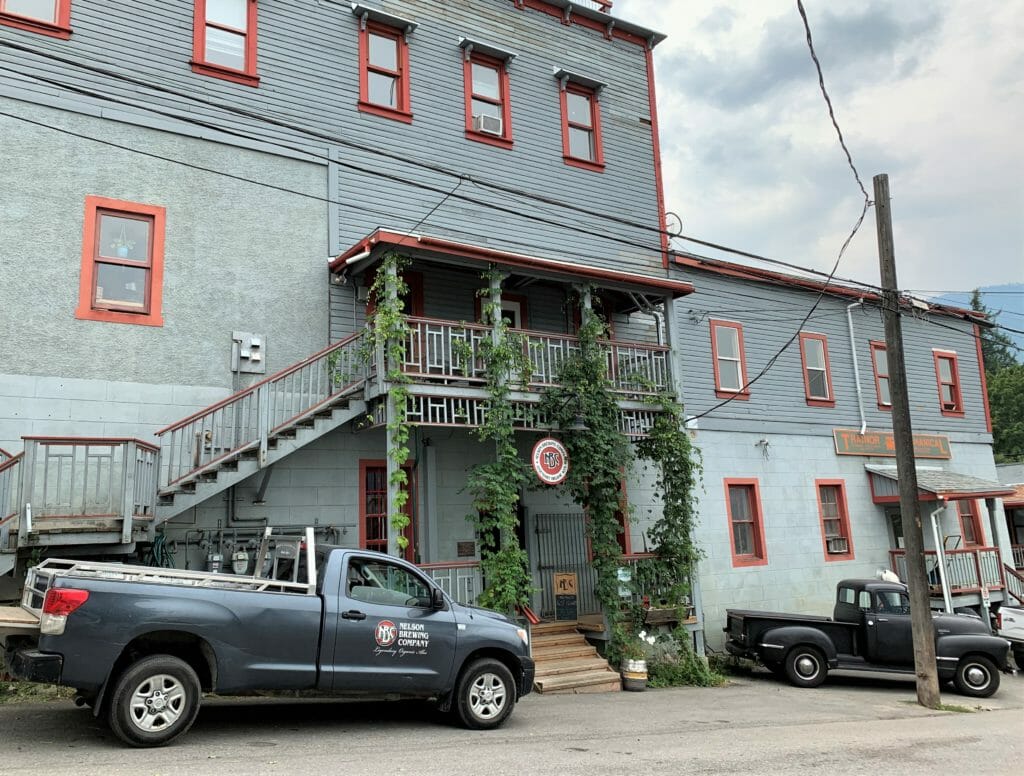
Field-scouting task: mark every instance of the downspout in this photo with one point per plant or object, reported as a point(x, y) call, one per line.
point(856, 369)
point(940, 553)
point(659, 317)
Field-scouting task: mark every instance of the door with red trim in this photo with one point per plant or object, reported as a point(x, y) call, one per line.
point(373, 508)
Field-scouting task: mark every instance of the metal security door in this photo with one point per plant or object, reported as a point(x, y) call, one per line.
point(562, 548)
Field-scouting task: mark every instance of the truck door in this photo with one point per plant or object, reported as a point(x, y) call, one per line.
point(888, 629)
point(388, 638)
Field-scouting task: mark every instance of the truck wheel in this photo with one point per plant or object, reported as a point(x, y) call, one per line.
point(976, 676)
point(485, 695)
point(154, 701)
point(805, 666)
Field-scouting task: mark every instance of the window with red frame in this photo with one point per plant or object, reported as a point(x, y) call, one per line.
point(730, 361)
point(224, 40)
point(746, 523)
point(581, 127)
point(122, 262)
point(880, 363)
point(374, 508)
point(948, 377)
point(835, 520)
point(817, 372)
point(384, 72)
point(970, 525)
point(47, 17)
point(488, 109)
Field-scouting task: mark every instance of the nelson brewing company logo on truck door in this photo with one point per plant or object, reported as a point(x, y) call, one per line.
point(386, 633)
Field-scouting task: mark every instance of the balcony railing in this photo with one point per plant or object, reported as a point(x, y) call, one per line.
point(247, 419)
point(966, 570)
point(1018, 555)
point(450, 352)
point(461, 580)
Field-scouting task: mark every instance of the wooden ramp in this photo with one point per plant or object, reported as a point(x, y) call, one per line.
point(567, 663)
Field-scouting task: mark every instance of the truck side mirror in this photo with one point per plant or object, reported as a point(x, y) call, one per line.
point(436, 598)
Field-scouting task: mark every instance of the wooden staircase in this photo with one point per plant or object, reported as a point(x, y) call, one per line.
point(567, 663)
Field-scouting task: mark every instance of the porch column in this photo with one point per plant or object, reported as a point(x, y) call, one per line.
point(494, 302)
point(673, 339)
point(390, 417)
point(999, 532)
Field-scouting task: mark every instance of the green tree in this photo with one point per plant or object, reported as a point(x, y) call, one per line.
point(1006, 400)
point(997, 349)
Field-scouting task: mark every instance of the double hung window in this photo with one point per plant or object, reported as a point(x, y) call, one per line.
point(746, 523)
point(224, 40)
point(970, 525)
point(880, 364)
point(384, 71)
point(729, 360)
point(488, 111)
point(817, 374)
point(947, 375)
point(47, 17)
point(835, 520)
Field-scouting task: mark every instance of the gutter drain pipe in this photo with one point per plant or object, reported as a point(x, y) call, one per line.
point(940, 553)
point(856, 369)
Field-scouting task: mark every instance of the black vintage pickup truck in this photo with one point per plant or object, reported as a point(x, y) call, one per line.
point(140, 644)
point(870, 631)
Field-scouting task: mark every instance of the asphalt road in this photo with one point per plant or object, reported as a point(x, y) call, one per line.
point(756, 725)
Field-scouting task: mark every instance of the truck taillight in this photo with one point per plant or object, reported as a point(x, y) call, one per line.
point(62, 601)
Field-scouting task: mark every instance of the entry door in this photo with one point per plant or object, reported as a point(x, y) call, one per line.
point(889, 629)
point(562, 547)
point(389, 639)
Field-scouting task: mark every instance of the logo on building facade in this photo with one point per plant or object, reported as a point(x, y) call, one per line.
point(550, 461)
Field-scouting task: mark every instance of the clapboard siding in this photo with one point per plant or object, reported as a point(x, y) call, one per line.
point(771, 314)
point(307, 63)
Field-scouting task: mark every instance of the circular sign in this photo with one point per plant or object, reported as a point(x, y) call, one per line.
point(550, 461)
point(386, 633)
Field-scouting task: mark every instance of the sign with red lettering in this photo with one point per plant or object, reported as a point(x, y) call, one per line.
point(550, 461)
point(883, 444)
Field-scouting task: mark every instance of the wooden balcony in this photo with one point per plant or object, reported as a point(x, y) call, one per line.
point(966, 570)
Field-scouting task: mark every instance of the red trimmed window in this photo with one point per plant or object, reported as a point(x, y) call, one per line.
point(224, 40)
point(488, 109)
point(951, 402)
point(122, 262)
point(47, 17)
point(970, 524)
point(835, 520)
point(729, 360)
point(746, 523)
point(880, 363)
point(817, 372)
point(384, 72)
point(373, 508)
point(581, 127)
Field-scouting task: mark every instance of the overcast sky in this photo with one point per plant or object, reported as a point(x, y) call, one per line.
point(929, 91)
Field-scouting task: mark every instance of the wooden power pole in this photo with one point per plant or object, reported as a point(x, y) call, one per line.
point(910, 513)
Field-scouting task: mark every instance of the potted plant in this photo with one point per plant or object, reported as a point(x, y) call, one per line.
point(633, 650)
point(121, 245)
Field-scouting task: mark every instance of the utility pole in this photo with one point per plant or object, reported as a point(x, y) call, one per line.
point(922, 626)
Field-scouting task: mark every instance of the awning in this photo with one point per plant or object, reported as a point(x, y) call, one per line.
point(1017, 499)
point(933, 484)
point(369, 249)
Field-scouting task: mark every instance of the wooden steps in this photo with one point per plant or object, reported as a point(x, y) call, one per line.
point(567, 663)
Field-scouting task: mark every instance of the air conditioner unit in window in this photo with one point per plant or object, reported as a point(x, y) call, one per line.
point(838, 545)
point(490, 125)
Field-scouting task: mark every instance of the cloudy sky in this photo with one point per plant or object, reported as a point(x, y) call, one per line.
point(929, 91)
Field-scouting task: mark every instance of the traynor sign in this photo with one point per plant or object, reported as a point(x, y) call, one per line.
point(550, 461)
point(882, 443)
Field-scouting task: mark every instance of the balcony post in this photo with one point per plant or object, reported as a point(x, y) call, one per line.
point(28, 468)
point(673, 340)
point(128, 491)
point(390, 413)
point(263, 422)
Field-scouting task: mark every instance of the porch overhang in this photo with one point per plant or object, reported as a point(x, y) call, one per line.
point(932, 485)
point(369, 250)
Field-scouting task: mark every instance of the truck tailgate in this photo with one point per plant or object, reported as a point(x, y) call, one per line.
point(17, 621)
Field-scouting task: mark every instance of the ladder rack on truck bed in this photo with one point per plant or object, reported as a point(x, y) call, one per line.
point(40, 577)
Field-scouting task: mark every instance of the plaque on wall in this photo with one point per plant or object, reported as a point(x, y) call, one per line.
point(465, 549)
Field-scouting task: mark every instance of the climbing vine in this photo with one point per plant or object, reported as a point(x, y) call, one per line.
point(389, 332)
point(497, 484)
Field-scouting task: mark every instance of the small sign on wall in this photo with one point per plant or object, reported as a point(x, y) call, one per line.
point(465, 549)
point(566, 596)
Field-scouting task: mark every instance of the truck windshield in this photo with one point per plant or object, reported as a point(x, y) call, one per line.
point(892, 602)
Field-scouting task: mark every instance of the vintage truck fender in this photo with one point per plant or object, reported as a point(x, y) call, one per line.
point(776, 643)
point(950, 648)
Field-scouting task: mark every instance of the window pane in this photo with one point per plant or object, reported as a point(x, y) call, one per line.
point(225, 48)
point(124, 238)
point(729, 375)
point(814, 353)
point(743, 539)
point(481, 108)
point(46, 10)
point(833, 529)
point(228, 12)
point(485, 81)
point(948, 396)
point(580, 143)
point(739, 503)
point(946, 370)
point(727, 342)
point(883, 390)
point(383, 52)
point(578, 106)
point(383, 89)
point(881, 362)
point(120, 285)
point(817, 383)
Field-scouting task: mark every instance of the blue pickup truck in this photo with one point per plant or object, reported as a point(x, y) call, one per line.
point(140, 645)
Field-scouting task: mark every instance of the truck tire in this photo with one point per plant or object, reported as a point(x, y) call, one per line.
point(485, 694)
point(154, 701)
point(976, 676)
point(806, 666)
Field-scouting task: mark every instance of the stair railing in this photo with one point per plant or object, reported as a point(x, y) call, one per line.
point(1014, 583)
point(248, 419)
point(10, 501)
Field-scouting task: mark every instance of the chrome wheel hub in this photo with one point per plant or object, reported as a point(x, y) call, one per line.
point(157, 702)
point(806, 666)
point(487, 696)
point(976, 676)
